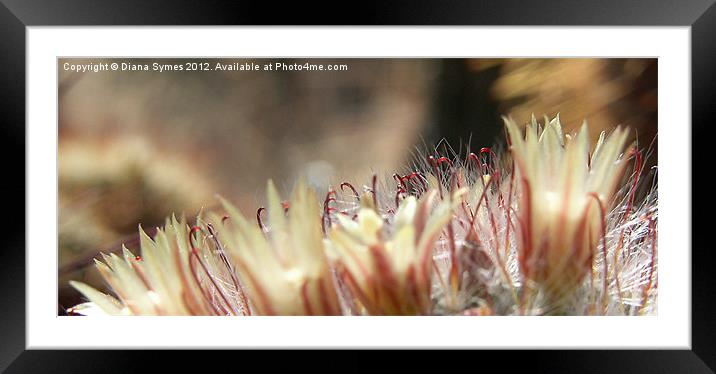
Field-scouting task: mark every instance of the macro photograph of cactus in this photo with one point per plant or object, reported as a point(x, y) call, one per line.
point(358, 187)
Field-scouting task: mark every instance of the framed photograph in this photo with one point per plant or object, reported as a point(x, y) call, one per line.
point(503, 177)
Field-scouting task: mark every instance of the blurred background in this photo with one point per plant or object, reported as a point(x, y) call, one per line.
point(136, 146)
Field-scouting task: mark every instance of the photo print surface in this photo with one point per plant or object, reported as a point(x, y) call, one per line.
point(310, 186)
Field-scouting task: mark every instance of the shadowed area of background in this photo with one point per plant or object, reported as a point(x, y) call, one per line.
point(136, 146)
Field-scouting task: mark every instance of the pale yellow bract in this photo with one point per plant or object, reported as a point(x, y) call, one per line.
point(564, 186)
point(551, 229)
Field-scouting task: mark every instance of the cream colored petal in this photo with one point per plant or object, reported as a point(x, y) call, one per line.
point(369, 223)
point(106, 303)
point(606, 168)
point(434, 226)
point(403, 249)
point(574, 166)
point(89, 309)
point(276, 214)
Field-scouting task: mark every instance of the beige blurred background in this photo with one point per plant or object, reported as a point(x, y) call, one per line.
point(136, 146)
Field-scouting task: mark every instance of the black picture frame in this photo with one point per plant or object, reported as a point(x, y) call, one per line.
point(16, 15)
